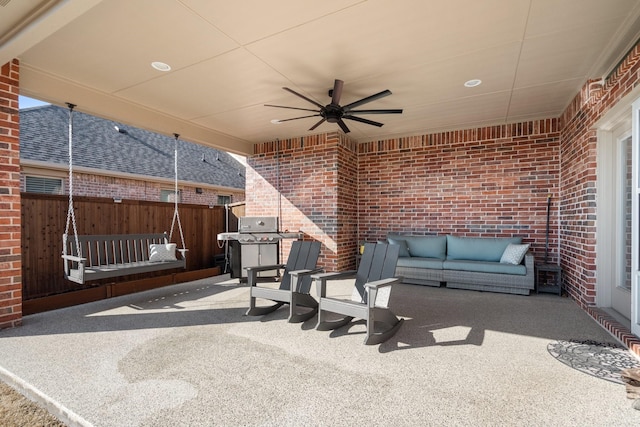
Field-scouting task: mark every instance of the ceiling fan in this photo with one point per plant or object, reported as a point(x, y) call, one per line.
point(334, 113)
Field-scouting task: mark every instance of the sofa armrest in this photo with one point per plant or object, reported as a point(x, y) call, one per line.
point(529, 262)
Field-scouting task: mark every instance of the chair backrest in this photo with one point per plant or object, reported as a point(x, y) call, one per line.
point(303, 256)
point(108, 249)
point(378, 262)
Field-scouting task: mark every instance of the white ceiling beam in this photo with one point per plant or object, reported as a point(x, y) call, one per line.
point(38, 24)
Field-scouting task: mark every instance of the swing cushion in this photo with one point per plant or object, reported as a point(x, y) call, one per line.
point(162, 252)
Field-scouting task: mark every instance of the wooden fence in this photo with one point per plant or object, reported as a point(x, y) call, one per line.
point(44, 219)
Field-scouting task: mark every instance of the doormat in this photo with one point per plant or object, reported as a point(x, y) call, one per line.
point(601, 360)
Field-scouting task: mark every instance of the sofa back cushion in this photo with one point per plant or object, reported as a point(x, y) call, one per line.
point(478, 248)
point(424, 246)
point(404, 247)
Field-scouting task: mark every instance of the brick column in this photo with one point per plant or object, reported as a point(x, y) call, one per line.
point(10, 230)
point(311, 182)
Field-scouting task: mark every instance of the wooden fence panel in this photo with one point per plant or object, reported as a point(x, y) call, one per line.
point(43, 223)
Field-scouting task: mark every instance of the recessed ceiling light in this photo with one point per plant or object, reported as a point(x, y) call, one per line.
point(276, 121)
point(473, 83)
point(161, 66)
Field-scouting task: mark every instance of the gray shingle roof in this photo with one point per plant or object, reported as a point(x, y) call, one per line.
point(44, 136)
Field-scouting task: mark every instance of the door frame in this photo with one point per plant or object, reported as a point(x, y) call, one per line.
point(608, 129)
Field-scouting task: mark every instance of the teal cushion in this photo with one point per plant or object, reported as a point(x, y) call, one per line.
point(478, 248)
point(485, 267)
point(424, 246)
point(432, 263)
point(404, 249)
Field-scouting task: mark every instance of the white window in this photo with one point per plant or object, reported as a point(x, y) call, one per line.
point(224, 200)
point(168, 195)
point(41, 184)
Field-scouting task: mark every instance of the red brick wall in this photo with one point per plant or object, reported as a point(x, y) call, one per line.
point(125, 188)
point(490, 182)
point(578, 165)
point(10, 256)
point(317, 183)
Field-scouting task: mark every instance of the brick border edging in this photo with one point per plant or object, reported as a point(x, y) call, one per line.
point(615, 328)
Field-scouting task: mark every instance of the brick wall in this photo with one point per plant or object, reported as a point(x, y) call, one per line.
point(10, 256)
point(316, 176)
point(490, 182)
point(125, 188)
point(578, 165)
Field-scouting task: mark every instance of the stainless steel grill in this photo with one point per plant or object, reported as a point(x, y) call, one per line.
point(256, 243)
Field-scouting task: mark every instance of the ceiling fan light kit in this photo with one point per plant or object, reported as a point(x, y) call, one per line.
point(334, 113)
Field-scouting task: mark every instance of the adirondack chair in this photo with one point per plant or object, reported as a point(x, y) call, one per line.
point(369, 301)
point(295, 283)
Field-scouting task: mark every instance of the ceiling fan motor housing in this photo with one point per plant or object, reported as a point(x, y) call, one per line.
point(332, 113)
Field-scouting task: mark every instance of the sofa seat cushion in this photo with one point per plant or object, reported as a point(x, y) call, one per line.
point(485, 267)
point(478, 248)
point(424, 246)
point(432, 263)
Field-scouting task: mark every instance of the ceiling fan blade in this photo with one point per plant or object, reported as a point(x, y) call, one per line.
point(361, 120)
point(303, 97)
point(337, 92)
point(343, 126)
point(296, 118)
point(291, 108)
point(392, 111)
point(317, 124)
point(367, 99)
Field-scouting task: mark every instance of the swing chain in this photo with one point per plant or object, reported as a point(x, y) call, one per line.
point(176, 214)
point(71, 215)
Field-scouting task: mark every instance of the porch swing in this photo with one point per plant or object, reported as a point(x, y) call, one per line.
point(92, 257)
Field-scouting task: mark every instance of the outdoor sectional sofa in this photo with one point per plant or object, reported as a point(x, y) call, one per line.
point(482, 264)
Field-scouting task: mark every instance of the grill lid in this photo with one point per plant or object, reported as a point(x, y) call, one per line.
point(258, 224)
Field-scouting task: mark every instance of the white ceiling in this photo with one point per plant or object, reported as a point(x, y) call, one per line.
point(229, 58)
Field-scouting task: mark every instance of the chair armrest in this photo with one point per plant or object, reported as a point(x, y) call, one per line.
point(265, 267)
point(299, 276)
point(334, 275)
point(73, 258)
point(372, 289)
point(383, 283)
point(306, 272)
point(322, 278)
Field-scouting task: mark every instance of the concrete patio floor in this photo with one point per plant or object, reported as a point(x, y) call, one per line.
point(186, 355)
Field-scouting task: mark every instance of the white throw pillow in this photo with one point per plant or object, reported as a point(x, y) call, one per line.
point(162, 252)
point(513, 254)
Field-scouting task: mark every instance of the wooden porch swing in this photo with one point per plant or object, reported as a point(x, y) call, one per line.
point(93, 257)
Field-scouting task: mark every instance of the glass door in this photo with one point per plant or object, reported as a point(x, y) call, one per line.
point(623, 246)
point(635, 217)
